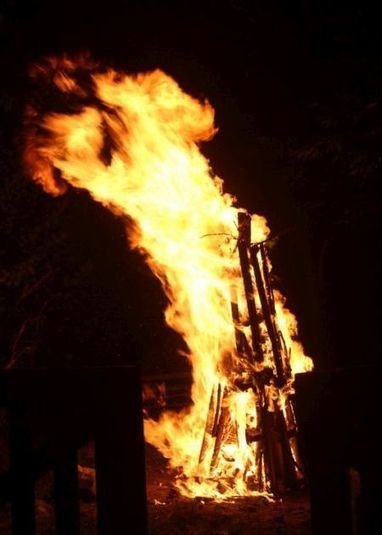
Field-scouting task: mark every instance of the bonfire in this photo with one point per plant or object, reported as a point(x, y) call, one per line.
point(133, 142)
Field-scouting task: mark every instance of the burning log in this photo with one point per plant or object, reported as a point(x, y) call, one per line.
point(267, 277)
point(243, 245)
point(268, 316)
point(220, 394)
point(223, 430)
point(242, 346)
point(281, 465)
point(214, 422)
point(210, 424)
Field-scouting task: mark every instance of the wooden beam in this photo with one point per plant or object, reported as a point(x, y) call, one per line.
point(243, 245)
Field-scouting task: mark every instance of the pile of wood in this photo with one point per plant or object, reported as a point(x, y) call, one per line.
point(263, 367)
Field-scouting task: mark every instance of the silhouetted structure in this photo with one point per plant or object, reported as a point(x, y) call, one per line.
point(338, 414)
point(52, 413)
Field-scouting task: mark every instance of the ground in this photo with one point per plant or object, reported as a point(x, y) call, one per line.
point(170, 514)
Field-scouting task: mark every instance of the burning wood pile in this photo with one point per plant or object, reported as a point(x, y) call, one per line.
point(133, 143)
point(271, 427)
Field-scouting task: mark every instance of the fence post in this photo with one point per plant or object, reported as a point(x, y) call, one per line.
point(66, 494)
point(119, 448)
point(22, 476)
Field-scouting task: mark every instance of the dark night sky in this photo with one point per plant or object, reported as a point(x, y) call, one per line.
point(297, 89)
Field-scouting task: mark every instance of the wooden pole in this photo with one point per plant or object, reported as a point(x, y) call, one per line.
point(221, 429)
point(272, 333)
point(22, 477)
point(267, 277)
point(211, 415)
point(66, 493)
point(244, 243)
point(242, 346)
point(119, 449)
point(220, 395)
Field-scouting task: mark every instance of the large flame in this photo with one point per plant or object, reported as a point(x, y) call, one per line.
point(186, 227)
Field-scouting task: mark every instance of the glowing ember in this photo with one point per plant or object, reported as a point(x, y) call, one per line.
point(187, 230)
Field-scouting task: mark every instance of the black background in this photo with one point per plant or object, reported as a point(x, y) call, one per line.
point(297, 88)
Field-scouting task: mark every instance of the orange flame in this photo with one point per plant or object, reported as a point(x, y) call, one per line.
point(186, 227)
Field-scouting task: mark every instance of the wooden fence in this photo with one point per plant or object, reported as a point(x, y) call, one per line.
point(52, 413)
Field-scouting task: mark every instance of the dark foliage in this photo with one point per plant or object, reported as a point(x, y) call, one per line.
point(336, 175)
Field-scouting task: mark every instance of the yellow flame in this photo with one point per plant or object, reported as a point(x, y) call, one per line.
point(185, 226)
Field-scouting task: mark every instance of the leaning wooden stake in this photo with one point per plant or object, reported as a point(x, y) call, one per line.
point(243, 245)
point(211, 415)
point(271, 302)
point(267, 277)
point(265, 306)
point(242, 346)
point(220, 431)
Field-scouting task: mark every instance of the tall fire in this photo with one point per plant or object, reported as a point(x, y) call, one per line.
point(132, 141)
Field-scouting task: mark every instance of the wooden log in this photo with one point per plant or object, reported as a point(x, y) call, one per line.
point(279, 448)
point(242, 346)
point(275, 458)
point(267, 277)
point(238, 332)
point(244, 243)
point(267, 461)
point(260, 467)
point(221, 428)
point(271, 301)
point(272, 331)
point(220, 395)
point(210, 421)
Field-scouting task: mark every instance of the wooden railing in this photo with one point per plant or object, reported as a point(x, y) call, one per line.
point(51, 414)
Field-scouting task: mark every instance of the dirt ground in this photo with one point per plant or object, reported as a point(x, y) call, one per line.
point(171, 514)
